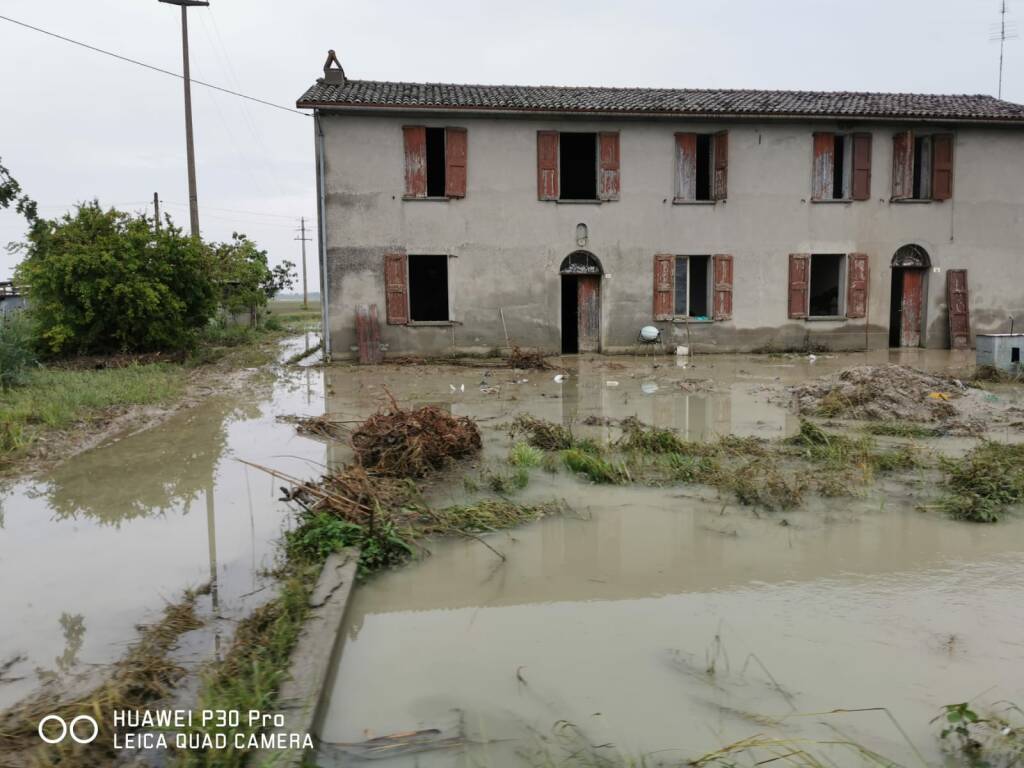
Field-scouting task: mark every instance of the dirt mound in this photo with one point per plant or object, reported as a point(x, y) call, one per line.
point(527, 359)
point(411, 443)
point(880, 392)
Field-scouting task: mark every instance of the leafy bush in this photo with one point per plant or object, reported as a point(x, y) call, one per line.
point(17, 353)
point(106, 281)
point(246, 280)
point(980, 486)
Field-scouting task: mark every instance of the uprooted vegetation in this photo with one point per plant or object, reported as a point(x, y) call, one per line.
point(983, 484)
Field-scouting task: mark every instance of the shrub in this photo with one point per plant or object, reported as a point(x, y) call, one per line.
point(17, 353)
point(980, 486)
point(106, 281)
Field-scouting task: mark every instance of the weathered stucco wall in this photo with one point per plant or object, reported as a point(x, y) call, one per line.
point(506, 246)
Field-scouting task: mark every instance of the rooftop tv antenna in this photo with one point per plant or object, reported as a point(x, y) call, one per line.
point(1002, 32)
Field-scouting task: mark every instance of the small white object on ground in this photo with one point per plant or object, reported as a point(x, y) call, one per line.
point(811, 358)
point(561, 377)
point(682, 350)
point(611, 383)
point(648, 387)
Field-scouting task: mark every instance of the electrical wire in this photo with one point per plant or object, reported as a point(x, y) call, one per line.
point(152, 67)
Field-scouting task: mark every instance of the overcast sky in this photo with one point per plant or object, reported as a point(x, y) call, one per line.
point(76, 125)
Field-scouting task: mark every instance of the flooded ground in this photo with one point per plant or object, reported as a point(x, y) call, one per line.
point(610, 619)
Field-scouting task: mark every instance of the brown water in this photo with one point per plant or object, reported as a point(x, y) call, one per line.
point(611, 618)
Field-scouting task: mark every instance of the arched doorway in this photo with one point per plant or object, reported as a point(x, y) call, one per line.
point(581, 302)
point(910, 265)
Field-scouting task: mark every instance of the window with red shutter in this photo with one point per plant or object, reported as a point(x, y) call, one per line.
point(435, 162)
point(799, 273)
point(547, 165)
point(664, 285)
point(861, 186)
point(608, 159)
point(903, 165)
point(415, 160)
point(702, 163)
point(455, 162)
point(722, 308)
point(822, 179)
point(720, 181)
point(942, 166)
point(396, 288)
point(686, 167)
point(857, 285)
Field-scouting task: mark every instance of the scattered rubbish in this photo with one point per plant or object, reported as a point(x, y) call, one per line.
point(938, 396)
point(649, 334)
point(318, 426)
point(812, 358)
point(460, 388)
point(611, 383)
point(682, 350)
point(527, 359)
point(561, 378)
point(410, 443)
point(490, 390)
point(696, 385)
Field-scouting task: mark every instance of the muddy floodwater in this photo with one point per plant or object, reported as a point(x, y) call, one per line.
point(662, 621)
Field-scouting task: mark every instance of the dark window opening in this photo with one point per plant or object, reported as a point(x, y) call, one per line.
point(839, 168)
point(922, 167)
point(703, 166)
point(570, 315)
point(578, 166)
point(826, 280)
point(691, 288)
point(1015, 355)
point(428, 288)
point(435, 162)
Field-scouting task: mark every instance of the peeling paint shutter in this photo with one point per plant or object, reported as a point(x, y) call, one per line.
point(722, 307)
point(799, 264)
point(547, 165)
point(861, 166)
point(959, 312)
point(396, 288)
point(664, 282)
point(686, 166)
point(823, 166)
point(455, 162)
point(903, 165)
point(857, 285)
point(608, 177)
point(415, 160)
point(719, 183)
point(942, 166)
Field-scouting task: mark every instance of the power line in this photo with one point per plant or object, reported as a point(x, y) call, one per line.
point(150, 66)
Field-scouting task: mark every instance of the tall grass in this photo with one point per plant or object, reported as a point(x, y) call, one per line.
point(17, 349)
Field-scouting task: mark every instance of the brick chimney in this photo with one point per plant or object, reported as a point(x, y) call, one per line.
point(333, 72)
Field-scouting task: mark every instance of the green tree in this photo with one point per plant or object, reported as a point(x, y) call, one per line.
point(105, 281)
point(11, 193)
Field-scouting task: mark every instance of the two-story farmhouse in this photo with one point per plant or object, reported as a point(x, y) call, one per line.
point(569, 218)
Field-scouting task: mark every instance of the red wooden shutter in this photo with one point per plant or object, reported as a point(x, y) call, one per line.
point(903, 165)
point(799, 272)
point(664, 285)
point(959, 311)
point(415, 160)
point(857, 285)
point(396, 288)
point(942, 166)
point(722, 306)
point(608, 154)
point(547, 165)
point(823, 166)
point(861, 187)
point(686, 166)
point(455, 162)
point(719, 182)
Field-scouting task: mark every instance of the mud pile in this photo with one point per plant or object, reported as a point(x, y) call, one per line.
point(875, 392)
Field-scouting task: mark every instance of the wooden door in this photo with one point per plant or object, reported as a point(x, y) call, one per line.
point(959, 313)
point(913, 301)
point(588, 310)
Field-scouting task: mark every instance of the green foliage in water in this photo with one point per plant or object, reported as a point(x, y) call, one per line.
point(525, 455)
point(981, 485)
point(542, 434)
point(322, 533)
point(901, 429)
point(502, 482)
point(597, 469)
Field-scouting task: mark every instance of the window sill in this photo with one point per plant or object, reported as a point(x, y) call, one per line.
point(913, 201)
point(833, 201)
point(684, 320)
point(430, 323)
point(684, 201)
point(580, 202)
point(416, 198)
point(825, 318)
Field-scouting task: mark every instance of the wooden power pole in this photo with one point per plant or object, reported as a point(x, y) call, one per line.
point(156, 211)
point(302, 237)
point(190, 150)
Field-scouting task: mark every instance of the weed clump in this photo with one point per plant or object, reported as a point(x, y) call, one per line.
point(902, 429)
point(525, 455)
point(411, 443)
point(980, 486)
point(759, 482)
point(542, 434)
point(598, 469)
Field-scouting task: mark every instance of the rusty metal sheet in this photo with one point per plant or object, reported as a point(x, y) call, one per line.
point(823, 167)
point(686, 166)
point(912, 303)
point(547, 165)
point(455, 153)
point(722, 309)
point(942, 166)
point(857, 285)
point(415, 160)
point(861, 186)
point(368, 334)
point(396, 288)
point(588, 296)
point(799, 271)
point(903, 165)
point(959, 310)
point(664, 285)
point(608, 166)
point(720, 181)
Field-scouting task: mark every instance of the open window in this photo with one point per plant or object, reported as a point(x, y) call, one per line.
point(702, 161)
point(824, 296)
point(416, 288)
point(828, 285)
point(922, 166)
point(435, 162)
point(693, 287)
point(842, 166)
point(577, 166)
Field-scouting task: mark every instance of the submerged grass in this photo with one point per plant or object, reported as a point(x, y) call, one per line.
point(542, 434)
point(902, 429)
point(596, 468)
point(983, 484)
point(525, 455)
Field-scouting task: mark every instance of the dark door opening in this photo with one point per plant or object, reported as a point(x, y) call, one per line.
point(570, 315)
point(896, 308)
point(906, 308)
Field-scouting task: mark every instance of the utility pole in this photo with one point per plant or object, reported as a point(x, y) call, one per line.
point(302, 237)
point(156, 211)
point(1002, 32)
point(193, 195)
